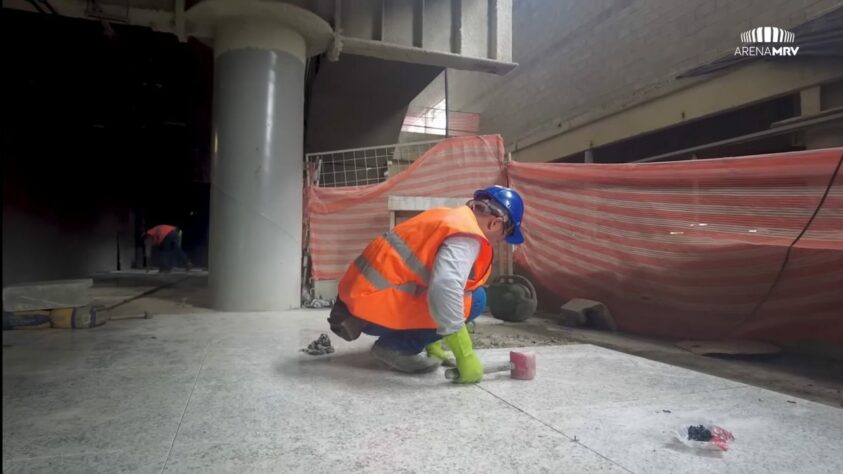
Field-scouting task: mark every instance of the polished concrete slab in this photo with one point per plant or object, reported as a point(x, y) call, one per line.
point(44, 295)
point(230, 392)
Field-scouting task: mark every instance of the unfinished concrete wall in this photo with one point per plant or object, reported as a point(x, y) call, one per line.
point(582, 57)
point(430, 97)
point(59, 219)
point(46, 247)
point(360, 101)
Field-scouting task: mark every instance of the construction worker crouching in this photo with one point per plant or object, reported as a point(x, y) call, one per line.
point(423, 280)
point(168, 240)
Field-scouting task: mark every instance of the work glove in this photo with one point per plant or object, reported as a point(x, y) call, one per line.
point(435, 350)
point(468, 364)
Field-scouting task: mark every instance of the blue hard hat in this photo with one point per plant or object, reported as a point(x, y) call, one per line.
point(514, 205)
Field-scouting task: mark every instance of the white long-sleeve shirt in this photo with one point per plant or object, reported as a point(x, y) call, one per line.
point(453, 263)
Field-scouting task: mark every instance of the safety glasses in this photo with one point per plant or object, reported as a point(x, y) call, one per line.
point(491, 209)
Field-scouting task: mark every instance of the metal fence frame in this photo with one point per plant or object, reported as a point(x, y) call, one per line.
point(365, 165)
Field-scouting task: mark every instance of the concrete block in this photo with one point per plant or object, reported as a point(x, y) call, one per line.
point(583, 312)
point(47, 295)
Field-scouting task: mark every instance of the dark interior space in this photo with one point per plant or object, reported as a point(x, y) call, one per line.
point(106, 132)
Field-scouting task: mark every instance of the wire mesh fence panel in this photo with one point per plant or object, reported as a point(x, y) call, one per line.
point(362, 166)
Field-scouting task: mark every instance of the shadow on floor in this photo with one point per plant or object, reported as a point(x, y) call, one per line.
point(676, 445)
point(337, 368)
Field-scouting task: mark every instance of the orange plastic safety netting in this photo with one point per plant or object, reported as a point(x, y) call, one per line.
point(733, 247)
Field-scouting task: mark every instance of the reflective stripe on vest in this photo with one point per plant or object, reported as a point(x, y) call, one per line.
point(378, 281)
point(406, 254)
point(410, 260)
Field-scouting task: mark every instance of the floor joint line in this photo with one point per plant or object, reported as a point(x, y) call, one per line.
point(184, 412)
point(555, 429)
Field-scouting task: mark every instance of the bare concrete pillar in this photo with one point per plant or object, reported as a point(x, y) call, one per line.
point(260, 51)
point(256, 180)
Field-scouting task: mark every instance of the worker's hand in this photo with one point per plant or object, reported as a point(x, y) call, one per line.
point(435, 350)
point(468, 364)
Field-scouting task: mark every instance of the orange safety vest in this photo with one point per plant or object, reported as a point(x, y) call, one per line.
point(387, 284)
point(159, 233)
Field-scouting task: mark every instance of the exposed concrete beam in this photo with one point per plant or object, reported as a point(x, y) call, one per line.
point(179, 24)
point(819, 121)
point(740, 87)
point(176, 21)
point(456, 26)
point(500, 30)
point(394, 52)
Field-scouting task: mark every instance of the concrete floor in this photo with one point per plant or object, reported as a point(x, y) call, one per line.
point(223, 392)
point(811, 377)
point(802, 375)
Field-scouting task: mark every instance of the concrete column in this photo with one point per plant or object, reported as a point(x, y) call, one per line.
point(828, 135)
point(256, 182)
point(260, 50)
